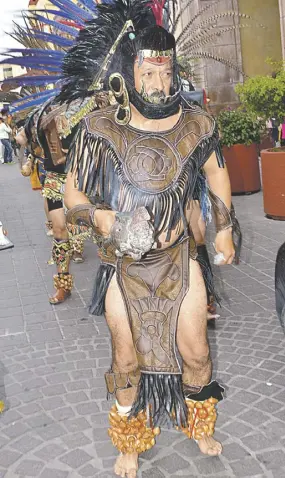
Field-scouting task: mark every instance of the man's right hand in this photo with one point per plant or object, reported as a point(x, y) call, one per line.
point(104, 220)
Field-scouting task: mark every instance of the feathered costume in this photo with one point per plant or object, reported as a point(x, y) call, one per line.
point(47, 35)
point(149, 179)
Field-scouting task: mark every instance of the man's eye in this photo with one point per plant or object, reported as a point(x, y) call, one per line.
point(147, 74)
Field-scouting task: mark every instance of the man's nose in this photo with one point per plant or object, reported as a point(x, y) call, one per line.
point(159, 83)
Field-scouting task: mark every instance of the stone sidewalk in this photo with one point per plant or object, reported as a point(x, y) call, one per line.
point(53, 360)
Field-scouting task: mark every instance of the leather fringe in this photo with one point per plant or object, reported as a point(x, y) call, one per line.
point(204, 261)
point(236, 234)
point(102, 281)
point(101, 176)
point(162, 395)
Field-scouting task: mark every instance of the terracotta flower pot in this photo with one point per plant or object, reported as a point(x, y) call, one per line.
point(273, 183)
point(243, 168)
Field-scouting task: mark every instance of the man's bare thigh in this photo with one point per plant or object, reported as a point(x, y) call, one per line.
point(118, 323)
point(192, 320)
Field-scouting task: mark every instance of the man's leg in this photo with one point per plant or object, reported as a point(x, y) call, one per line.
point(124, 362)
point(193, 345)
point(63, 281)
point(77, 246)
point(198, 228)
point(48, 221)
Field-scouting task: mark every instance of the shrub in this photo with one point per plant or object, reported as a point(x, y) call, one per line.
point(264, 96)
point(240, 127)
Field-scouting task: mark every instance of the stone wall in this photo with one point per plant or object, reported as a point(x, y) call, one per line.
point(247, 47)
point(257, 43)
point(218, 79)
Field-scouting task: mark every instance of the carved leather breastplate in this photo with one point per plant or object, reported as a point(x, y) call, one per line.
point(152, 162)
point(126, 168)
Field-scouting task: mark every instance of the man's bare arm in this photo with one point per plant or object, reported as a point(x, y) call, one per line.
point(72, 197)
point(218, 180)
point(219, 183)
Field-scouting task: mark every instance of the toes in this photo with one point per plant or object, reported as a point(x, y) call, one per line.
point(117, 468)
point(214, 452)
point(119, 471)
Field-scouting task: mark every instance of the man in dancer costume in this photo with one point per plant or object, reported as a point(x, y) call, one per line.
point(44, 127)
point(41, 131)
point(132, 174)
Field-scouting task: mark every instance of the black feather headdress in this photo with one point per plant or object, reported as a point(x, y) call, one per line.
point(84, 60)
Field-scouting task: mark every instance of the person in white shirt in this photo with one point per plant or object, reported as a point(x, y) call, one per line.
point(5, 130)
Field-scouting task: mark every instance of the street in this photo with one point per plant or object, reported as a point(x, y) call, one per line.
point(53, 359)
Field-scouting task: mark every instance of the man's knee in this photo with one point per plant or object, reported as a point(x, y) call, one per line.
point(197, 356)
point(59, 232)
point(58, 224)
point(124, 359)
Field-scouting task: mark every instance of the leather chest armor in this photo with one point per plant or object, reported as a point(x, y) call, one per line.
point(152, 162)
point(125, 168)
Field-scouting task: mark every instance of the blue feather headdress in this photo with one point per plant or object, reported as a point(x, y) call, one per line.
point(46, 37)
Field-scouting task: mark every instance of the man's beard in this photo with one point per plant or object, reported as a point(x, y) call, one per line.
point(156, 98)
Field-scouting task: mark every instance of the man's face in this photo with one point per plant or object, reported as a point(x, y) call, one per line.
point(153, 80)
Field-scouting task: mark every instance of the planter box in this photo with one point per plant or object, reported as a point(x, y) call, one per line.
point(266, 142)
point(243, 168)
point(273, 182)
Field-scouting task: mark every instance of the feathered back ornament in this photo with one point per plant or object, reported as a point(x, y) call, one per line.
point(46, 42)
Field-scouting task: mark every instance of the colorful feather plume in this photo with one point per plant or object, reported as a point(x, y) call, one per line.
point(45, 43)
point(88, 29)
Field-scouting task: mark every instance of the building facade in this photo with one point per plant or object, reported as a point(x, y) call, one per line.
point(261, 38)
point(249, 46)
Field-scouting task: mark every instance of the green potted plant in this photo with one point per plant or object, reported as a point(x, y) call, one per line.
point(264, 96)
point(240, 136)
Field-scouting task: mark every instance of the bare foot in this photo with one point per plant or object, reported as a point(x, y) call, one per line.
point(209, 446)
point(77, 257)
point(60, 296)
point(126, 466)
point(212, 316)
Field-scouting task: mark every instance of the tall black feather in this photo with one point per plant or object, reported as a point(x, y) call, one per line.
point(84, 60)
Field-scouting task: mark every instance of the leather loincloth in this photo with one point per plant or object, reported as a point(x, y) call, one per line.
point(153, 290)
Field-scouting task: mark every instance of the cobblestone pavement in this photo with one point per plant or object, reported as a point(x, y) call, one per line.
point(53, 360)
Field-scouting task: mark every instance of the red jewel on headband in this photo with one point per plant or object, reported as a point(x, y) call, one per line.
point(159, 59)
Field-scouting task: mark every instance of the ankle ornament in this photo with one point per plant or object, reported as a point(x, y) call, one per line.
point(77, 245)
point(202, 413)
point(131, 435)
point(48, 225)
point(202, 417)
point(63, 281)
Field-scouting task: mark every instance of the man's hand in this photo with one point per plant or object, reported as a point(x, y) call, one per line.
point(104, 220)
point(224, 244)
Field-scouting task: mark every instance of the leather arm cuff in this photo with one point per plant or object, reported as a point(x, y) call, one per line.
point(121, 381)
point(83, 215)
point(223, 218)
